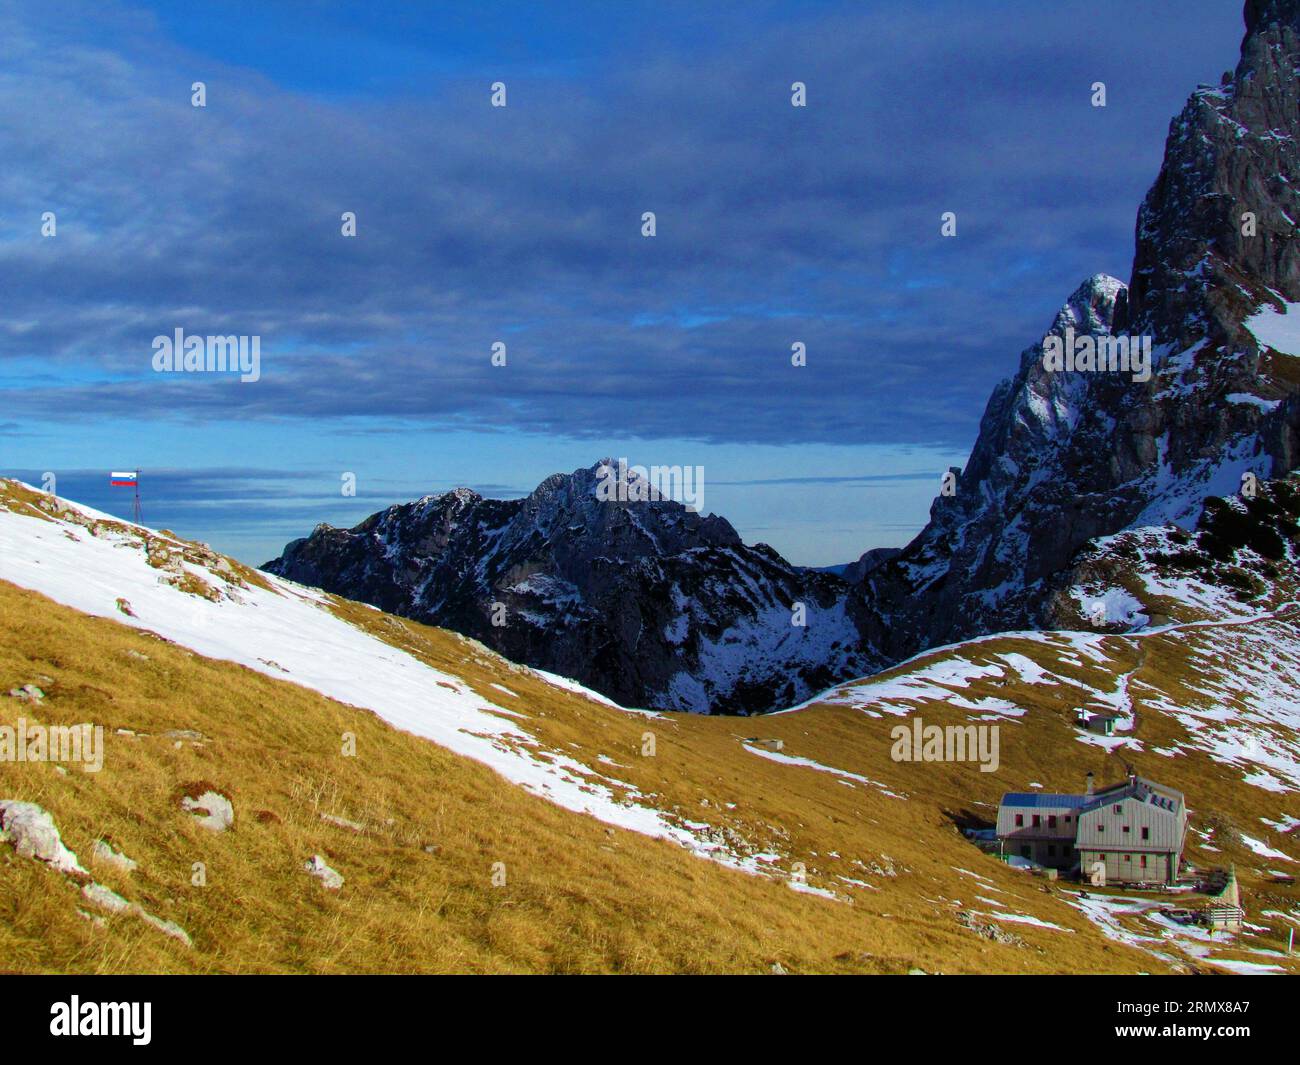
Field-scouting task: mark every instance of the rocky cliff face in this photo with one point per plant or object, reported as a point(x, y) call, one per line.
point(1064, 455)
point(645, 601)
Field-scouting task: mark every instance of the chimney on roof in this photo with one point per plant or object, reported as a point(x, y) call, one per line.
point(1090, 780)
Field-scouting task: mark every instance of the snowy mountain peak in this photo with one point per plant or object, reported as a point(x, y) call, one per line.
point(636, 595)
point(1091, 307)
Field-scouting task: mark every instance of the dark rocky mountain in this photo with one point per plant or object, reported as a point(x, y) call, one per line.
point(645, 601)
point(867, 561)
point(656, 606)
point(1064, 456)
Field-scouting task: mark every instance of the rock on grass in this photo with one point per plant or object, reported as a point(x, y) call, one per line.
point(218, 814)
point(33, 834)
point(330, 878)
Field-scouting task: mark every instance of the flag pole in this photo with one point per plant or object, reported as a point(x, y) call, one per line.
point(129, 479)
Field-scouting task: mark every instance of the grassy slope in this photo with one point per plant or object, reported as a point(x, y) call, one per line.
point(579, 897)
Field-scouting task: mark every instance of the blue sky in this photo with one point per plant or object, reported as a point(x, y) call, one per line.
point(523, 225)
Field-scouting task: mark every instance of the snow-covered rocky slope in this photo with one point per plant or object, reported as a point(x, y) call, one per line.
point(192, 596)
point(1067, 455)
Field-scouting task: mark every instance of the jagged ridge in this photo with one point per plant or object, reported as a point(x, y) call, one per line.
point(646, 601)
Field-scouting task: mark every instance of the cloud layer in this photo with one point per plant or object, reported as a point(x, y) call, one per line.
point(522, 224)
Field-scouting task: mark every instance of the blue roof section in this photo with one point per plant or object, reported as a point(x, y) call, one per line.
point(1141, 789)
point(1039, 799)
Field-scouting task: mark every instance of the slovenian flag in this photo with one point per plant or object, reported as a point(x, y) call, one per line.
point(123, 480)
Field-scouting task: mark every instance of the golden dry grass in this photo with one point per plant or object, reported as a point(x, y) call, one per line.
point(579, 896)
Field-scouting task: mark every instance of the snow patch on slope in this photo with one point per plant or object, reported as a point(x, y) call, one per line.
point(937, 681)
point(289, 633)
point(1281, 332)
